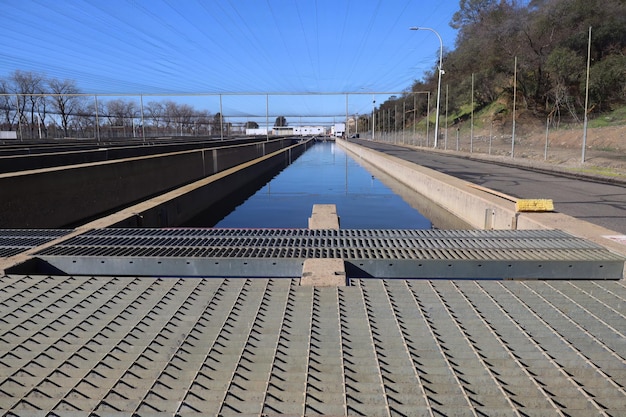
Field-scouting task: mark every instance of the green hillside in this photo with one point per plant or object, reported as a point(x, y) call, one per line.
point(549, 41)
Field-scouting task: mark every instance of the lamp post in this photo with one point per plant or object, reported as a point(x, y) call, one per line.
point(441, 72)
point(373, 116)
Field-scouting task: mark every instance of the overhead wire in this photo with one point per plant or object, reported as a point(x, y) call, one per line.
point(364, 39)
point(313, 64)
point(162, 47)
point(283, 38)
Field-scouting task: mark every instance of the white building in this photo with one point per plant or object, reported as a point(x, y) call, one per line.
point(338, 130)
point(308, 130)
point(260, 131)
point(288, 130)
point(6, 134)
point(282, 130)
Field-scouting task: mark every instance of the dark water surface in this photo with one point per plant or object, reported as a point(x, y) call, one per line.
point(325, 174)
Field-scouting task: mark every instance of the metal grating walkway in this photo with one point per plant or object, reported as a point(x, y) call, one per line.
point(14, 241)
point(112, 346)
point(368, 253)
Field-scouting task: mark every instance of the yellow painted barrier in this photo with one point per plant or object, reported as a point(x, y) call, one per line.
point(534, 205)
point(537, 205)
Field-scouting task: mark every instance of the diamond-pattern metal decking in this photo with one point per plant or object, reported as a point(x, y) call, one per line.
point(369, 253)
point(110, 346)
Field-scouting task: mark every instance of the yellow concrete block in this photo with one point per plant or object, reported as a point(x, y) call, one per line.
point(534, 205)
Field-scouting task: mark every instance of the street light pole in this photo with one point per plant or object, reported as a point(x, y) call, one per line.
point(373, 117)
point(441, 72)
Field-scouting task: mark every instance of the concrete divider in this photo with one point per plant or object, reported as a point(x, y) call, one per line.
point(324, 216)
point(324, 272)
point(479, 209)
point(184, 203)
point(68, 195)
point(40, 156)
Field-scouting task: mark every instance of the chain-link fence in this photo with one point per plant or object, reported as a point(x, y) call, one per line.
point(406, 118)
point(59, 116)
point(605, 146)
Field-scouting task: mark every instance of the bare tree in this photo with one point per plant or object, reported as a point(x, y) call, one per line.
point(65, 101)
point(30, 88)
point(156, 112)
point(184, 114)
point(8, 106)
point(171, 111)
point(203, 121)
point(85, 121)
point(121, 113)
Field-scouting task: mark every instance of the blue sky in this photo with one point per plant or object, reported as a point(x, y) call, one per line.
point(229, 46)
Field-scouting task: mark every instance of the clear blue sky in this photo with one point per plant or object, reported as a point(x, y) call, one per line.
point(227, 46)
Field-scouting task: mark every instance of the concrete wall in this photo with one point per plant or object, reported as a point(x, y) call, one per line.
point(182, 204)
point(61, 196)
point(46, 156)
point(479, 209)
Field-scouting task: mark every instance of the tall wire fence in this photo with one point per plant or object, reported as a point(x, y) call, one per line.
point(408, 120)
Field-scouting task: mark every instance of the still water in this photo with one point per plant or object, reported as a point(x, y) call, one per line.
point(325, 174)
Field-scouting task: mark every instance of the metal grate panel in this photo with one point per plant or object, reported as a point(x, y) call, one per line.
point(14, 241)
point(305, 243)
point(397, 253)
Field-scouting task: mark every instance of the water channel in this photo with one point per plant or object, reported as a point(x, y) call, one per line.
point(324, 174)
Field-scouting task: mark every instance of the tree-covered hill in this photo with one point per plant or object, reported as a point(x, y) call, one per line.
point(549, 39)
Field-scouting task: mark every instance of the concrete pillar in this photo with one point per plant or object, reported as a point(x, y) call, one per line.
point(324, 216)
point(323, 272)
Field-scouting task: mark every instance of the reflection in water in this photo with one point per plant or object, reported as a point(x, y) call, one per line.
point(325, 174)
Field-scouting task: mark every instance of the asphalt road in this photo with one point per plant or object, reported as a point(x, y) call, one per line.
point(598, 203)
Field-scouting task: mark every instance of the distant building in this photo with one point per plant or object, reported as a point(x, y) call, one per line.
point(260, 131)
point(308, 130)
point(338, 130)
point(288, 131)
point(282, 131)
point(7, 134)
